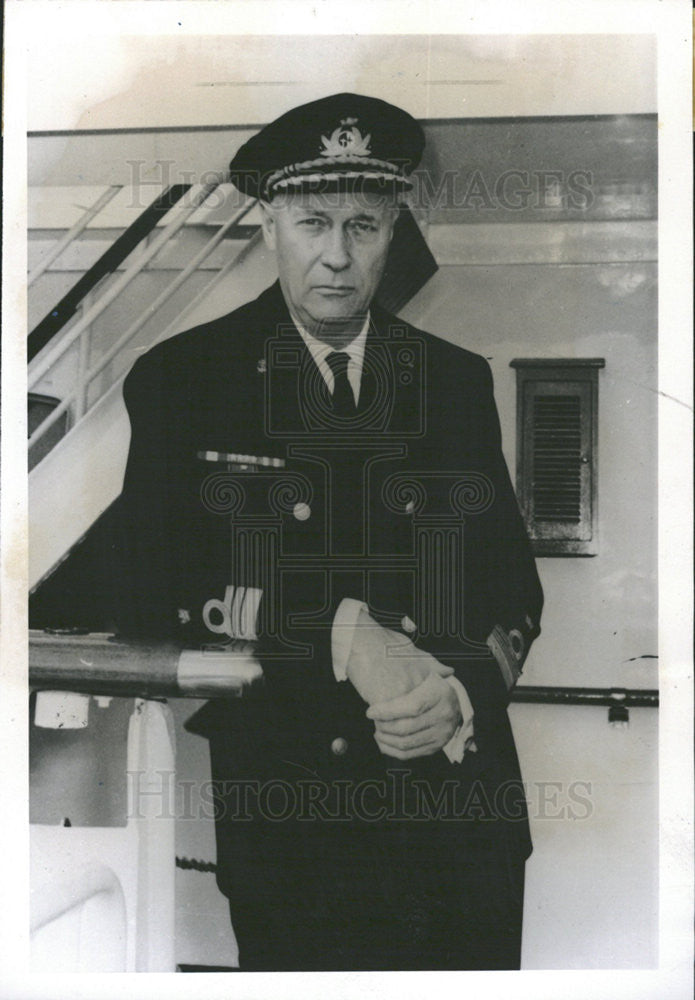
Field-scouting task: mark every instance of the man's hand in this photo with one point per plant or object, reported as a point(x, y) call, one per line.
point(419, 723)
point(384, 664)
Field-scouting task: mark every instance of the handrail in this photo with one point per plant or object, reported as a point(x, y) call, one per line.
point(51, 356)
point(182, 276)
point(144, 316)
point(102, 201)
point(606, 697)
point(56, 319)
point(98, 663)
point(251, 244)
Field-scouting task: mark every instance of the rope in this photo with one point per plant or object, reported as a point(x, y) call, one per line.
point(196, 864)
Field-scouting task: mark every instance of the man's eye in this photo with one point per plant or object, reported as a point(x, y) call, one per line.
point(312, 223)
point(363, 228)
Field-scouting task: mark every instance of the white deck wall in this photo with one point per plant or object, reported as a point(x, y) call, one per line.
point(591, 897)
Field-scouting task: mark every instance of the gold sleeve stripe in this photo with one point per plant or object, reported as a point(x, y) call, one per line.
point(502, 648)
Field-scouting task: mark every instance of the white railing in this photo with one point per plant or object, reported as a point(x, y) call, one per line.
point(76, 230)
point(77, 399)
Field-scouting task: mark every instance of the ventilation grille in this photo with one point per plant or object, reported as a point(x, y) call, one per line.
point(557, 451)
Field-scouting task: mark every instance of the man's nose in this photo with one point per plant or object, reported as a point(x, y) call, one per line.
point(336, 250)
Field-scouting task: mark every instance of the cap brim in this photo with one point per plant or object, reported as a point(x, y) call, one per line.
point(345, 182)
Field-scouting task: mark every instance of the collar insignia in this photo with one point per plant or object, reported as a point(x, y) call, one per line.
point(346, 140)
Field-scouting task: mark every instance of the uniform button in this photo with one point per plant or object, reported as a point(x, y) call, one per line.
point(302, 511)
point(517, 641)
point(339, 746)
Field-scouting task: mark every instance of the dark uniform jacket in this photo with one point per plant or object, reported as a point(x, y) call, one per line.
point(250, 510)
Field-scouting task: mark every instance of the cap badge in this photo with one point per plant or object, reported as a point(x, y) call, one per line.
point(346, 140)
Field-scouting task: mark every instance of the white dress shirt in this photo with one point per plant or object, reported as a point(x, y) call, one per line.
point(355, 351)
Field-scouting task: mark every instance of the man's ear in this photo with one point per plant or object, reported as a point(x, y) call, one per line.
point(267, 224)
point(394, 220)
point(394, 212)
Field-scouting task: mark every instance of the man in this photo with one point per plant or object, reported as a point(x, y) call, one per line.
point(315, 475)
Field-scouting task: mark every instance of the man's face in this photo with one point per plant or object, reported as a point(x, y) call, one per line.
point(331, 252)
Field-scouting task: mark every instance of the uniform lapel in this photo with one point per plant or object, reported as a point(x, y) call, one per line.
point(379, 388)
point(285, 360)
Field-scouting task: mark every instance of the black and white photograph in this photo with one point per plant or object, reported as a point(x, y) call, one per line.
point(353, 461)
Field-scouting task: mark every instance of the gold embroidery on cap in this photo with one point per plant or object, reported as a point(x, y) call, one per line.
point(346, 140)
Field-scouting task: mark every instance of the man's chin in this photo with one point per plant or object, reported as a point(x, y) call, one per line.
point(337, 321)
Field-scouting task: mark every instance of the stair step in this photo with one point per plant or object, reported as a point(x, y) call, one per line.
point(41, 406)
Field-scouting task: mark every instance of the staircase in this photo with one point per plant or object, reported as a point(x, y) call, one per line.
point(170, 275)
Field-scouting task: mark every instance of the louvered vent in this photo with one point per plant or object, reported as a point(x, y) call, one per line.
point(557, 456)
point(557, 448)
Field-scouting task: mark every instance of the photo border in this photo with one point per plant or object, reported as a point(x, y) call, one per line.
point(670, 21)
